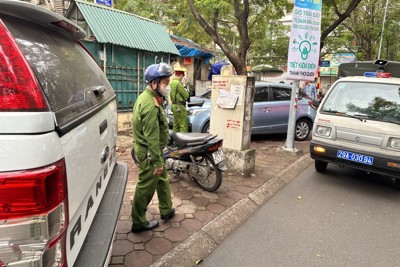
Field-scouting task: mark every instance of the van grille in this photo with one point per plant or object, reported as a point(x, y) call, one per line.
point(362, 137)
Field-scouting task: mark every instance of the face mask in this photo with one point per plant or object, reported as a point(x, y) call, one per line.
point(165, 91)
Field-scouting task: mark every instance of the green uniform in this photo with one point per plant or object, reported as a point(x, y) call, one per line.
point(150, 133)
point(179, 96)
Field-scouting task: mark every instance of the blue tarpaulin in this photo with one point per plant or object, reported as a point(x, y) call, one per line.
point(188, 48)
point(193, 52)
point(216, 68)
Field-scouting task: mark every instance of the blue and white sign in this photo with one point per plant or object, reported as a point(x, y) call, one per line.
point(304, 40)
point(104, 2)
point(325, 63)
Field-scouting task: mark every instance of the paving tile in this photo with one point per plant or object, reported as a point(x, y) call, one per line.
point(178, 217)
point(189, 216)
point(158, 246)
point(184, 195)
point(204, 216)
point(226, 201)
point(176, 234)
point(140, 237)
point(244, 189)
point(235, 195)
point(200, 201)
point(122, 247)
point(191, 225)
point(187, 208)
point(216, 208)
point(140, 258)
point(123, 227)
point(117, 260)
point(138, 246)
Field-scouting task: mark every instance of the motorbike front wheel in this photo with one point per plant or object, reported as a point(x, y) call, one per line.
point(213, 181)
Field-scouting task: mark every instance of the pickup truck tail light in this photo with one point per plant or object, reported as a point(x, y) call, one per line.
point(34, 216)
point(19, 89)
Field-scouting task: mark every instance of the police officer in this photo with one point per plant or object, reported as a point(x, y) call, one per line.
point(179, 96)
point(150, 132)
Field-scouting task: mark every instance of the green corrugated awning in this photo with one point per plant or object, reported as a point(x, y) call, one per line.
point(121, 28)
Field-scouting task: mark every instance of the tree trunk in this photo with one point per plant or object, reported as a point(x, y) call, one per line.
point(238, 60)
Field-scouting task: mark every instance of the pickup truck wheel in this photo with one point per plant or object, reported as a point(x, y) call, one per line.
point(396, 183)
point(320, 166)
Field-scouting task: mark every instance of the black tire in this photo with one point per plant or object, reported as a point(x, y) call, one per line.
point(206, 128)
point(320, 166)
point(214, 180)
point(396, 183)
point(302, 129)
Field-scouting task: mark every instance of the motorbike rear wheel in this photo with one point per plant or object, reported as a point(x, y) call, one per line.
point(214, 180)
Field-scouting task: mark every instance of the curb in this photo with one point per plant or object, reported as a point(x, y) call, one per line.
point(201, 244)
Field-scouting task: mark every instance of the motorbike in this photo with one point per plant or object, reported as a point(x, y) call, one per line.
point(199, 155)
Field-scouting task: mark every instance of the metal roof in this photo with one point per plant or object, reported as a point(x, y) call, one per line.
point(121, 28)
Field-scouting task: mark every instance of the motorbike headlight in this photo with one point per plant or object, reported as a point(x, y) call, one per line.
point(194, 112)
point(394, 143)
point(323, 131)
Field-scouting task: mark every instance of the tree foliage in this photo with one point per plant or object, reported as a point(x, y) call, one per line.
point(360, 33)
point(250, 32)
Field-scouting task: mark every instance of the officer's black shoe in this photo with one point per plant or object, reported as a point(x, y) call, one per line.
point(151, 225)
point(169, 215)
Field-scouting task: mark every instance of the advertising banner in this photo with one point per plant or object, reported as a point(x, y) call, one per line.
point(335, 61)
point(304, 40)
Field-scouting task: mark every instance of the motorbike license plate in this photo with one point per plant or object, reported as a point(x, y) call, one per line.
point(368, 160)
point(218, 156)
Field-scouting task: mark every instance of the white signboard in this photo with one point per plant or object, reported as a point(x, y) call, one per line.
point(304, 40)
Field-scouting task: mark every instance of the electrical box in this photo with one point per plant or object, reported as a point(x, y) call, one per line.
point(231, 110)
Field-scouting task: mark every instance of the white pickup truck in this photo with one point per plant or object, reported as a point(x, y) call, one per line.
point(61, 187)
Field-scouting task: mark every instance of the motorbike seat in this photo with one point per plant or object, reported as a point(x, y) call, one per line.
point(190, 139)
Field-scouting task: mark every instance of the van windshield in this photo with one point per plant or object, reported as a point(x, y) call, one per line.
point(373, 101)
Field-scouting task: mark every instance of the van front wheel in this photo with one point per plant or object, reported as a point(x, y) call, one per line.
point(320, 166)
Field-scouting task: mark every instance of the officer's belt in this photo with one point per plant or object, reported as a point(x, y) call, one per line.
point(179, 102)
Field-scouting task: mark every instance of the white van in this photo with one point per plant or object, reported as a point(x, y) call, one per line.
point(358, 123)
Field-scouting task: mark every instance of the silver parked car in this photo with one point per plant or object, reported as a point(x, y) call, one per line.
point(270, 111)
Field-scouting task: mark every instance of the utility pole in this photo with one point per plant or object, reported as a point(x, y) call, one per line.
point(383, 28)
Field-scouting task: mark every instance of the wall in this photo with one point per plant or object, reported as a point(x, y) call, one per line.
point(124, 69)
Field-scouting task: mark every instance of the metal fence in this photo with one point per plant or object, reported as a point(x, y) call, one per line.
point(127, 84)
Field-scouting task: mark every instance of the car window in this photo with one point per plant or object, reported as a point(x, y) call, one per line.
point(207, 95)
point(261, 94)
point(65, 71)
point(374, 100)
point(281, 94)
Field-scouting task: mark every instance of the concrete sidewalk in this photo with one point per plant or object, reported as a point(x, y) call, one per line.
point(203, 219)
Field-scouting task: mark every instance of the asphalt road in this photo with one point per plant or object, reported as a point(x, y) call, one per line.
point(342, 218)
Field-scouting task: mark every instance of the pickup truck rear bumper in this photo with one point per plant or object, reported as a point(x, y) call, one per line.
point(97, 246)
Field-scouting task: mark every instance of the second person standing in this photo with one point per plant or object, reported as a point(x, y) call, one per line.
point(179, 97)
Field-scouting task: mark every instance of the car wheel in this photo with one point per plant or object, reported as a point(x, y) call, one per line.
point(320, 166)
point(206, 128)
point(303, 128)
point(396, 183)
